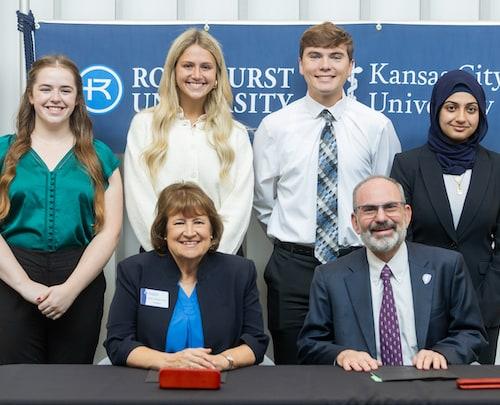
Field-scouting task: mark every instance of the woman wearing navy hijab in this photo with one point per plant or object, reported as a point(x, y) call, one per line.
point(453, 185)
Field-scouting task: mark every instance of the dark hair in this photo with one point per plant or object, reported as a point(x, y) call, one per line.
point(190, 200)
point(326, 35)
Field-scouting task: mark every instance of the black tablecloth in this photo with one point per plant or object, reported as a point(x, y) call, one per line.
point(81, 384)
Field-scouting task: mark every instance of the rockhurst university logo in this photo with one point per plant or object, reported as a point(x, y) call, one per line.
point(102, 89)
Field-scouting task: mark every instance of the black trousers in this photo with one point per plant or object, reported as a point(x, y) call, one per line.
point(27, 336)
point(288, 277)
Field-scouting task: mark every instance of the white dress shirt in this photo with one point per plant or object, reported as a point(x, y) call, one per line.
point(286, 147)
point(403, 297)
point(190, 157)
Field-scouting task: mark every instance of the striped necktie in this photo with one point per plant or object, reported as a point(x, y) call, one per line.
point(326, 246)
point(390, 339)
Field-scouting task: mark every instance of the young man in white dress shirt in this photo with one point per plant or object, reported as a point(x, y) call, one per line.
point(286, 153)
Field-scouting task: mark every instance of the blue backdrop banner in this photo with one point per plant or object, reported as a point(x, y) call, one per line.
point(396, 66)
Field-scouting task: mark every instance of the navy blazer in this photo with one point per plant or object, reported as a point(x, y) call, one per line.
point(227, 294)
point(340, 317)
point(477, 236)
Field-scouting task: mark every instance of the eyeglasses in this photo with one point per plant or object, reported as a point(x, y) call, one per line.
point(390, 208)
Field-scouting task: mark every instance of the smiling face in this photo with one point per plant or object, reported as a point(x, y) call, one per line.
point(195, 75)
point(382, 229)
point(53, 97)
point(459, 116)
point(325, 71)
point(188, 238)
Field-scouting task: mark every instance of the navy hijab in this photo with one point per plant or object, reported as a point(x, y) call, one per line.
point(455, 158)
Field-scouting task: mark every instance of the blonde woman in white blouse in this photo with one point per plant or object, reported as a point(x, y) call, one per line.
point(191, 136)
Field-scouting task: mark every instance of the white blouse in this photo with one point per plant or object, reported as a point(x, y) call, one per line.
point(190, 157)
point(456, 189)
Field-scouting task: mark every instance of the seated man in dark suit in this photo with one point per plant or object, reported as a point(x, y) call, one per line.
point(393, 302)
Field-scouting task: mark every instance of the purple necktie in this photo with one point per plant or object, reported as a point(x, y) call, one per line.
point(390, 339)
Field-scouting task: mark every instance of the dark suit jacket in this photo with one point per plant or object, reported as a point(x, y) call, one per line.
point(478, 230)
point(227, 294)
point(340, 316)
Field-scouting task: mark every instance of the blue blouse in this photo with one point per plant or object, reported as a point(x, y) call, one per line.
point(185, 329)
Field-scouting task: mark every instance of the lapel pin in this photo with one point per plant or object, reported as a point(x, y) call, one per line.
point(426, 278)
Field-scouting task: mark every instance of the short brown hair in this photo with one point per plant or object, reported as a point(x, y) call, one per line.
point(326, 35)
point(190, 200)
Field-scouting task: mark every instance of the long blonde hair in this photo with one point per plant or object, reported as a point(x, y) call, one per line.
point(219, 120)
point(80, 126)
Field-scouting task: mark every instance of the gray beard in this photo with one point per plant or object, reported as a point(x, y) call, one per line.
point(385, 244)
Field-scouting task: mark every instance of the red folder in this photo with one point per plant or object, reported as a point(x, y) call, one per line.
point(187, 378)
point(478, 383)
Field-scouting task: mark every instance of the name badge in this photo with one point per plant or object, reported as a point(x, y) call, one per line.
point(154, 298)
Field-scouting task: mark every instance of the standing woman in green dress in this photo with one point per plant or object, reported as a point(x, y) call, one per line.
point(60, 220)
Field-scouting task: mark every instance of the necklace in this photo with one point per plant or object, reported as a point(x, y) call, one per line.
point(458, 182)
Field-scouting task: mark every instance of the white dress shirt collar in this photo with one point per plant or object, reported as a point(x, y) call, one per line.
point(397, 264)
point(336, 110)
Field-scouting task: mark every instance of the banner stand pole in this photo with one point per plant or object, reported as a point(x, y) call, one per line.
point(24, 7)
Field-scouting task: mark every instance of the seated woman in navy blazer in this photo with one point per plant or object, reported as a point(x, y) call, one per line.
point(183, 304)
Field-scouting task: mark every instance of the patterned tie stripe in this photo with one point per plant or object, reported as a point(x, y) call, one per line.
point(326, 246)
point(390, 339)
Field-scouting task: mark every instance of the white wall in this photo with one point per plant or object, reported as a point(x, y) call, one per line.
point(258, 248)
